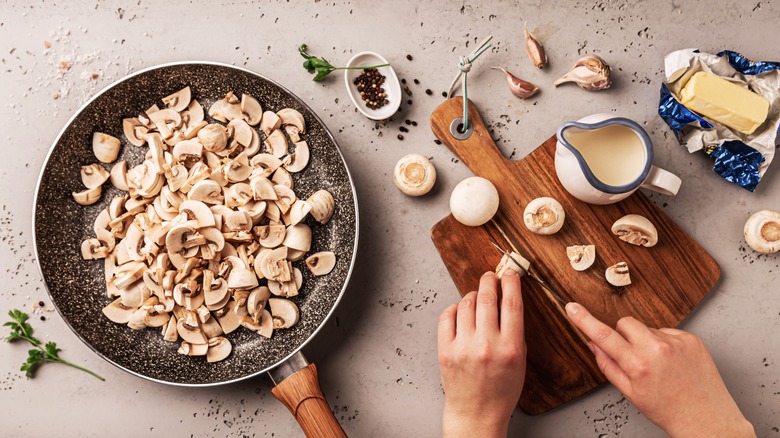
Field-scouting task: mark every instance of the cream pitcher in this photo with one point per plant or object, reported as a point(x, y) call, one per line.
point(602, 159)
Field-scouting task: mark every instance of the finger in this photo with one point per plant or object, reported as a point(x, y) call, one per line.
point(447, 325)
point(632, 329)
point(511, 323)
point(487, 304)
point(610, 368)
point(465, 318)
point(599, 333)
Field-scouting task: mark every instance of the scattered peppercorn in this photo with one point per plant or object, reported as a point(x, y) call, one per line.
point(403, 129)
point(409, 57)
point(414, 123)
point(400, 136)
point(407, 91)
point(416, 82)
point(428, 91)
point(437, 141)
point(444, 94)
point(403, 81)
point(408, 122)
point(409, 102)
point(369, 85)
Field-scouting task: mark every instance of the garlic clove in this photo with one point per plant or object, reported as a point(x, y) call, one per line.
point(589, 72)
point(518, 87)
point(535, 49)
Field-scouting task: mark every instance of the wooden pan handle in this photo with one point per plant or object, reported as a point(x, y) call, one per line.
point(302, 395)
point(479, 152)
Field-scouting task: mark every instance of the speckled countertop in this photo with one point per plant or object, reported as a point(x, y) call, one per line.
point(377, 357)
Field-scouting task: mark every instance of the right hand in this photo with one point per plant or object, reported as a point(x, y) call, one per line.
point(668, 374)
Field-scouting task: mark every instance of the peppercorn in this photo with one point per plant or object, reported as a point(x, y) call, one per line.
point(409, 57)
point(428, 91)
point(400, 136)
point(369, 84)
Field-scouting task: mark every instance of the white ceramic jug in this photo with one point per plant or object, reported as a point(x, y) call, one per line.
point(577, 177)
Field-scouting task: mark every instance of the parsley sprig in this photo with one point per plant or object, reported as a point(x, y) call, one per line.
point(21, 329)
point(322, 67)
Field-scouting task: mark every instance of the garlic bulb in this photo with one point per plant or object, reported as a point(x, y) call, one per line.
point(590, 72)
point(535, 49)
point(518, 87)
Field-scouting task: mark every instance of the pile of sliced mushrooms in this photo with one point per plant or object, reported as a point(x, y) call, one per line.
point(204, 239)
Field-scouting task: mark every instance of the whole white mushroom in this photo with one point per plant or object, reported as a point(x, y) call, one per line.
point(474, 201)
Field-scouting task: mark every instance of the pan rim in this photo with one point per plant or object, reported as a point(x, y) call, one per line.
point(289, 93)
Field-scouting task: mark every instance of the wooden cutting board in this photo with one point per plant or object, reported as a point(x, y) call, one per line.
point(668, 280)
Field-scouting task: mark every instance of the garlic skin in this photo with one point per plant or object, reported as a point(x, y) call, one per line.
point(535, 49)
point(589, 72)
point(518, 87)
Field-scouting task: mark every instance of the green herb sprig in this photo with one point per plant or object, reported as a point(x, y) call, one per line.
point(322, 67)
point(21, 329)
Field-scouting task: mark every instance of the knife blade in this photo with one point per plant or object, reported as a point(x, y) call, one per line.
point(533, 277)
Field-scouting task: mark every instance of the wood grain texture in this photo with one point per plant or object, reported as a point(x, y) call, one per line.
point(302, 395)
point(668, 280)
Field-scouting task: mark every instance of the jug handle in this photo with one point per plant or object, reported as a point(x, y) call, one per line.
point(662, 181)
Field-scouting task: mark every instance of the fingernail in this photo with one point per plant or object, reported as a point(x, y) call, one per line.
point(510, 272)
point(573, 308)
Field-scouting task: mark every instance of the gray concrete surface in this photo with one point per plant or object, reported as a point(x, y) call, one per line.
point(378, 365)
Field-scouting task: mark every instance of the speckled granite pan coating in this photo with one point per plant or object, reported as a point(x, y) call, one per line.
point(77, 287)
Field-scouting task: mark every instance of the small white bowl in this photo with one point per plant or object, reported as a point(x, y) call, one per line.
point(392, 86)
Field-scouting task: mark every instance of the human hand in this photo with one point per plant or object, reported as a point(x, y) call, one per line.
point(482, 358)
point(668, 374)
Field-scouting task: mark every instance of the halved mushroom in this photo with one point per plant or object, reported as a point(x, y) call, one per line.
point(322, 206)
point(118, 175)
point(292, 117)
point(265, 165)
point(88, 196)
point(298, 237)
point(544, 216)
point(219, 349)
point(636, 230)
point(270, 122)
point(581, 257)
point(762, 231)
point(188, 152)
point(198, 172)
point(274, 265)
point(206, 191)
point(176, 176)
point(617, 275)
point(118, 312)
point(298, 160)
point(509, 262)
point(165, 120)
point(285, 313)
point(93, 175)
point(276, 144)
point(135, 294)
point(105, 147)
point(197, 211)
point(179, 100)
point(217, 293)
point(135, 131)
point(213, 137)
point(321, 263)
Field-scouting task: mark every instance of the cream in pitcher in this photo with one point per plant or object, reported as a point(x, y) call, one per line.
point(602, 159)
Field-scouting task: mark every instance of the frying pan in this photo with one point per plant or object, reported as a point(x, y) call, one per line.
point(77, 287)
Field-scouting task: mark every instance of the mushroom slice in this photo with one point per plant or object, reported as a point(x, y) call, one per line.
point(180, 100)
point(255, 209)
point(274, 265)
point(284, 312)
point(636, 230)
point(292, 117)
point(206, 191)
point(176, 176)
point(276, 144)
point(189, 329)
point(270, 122)
point(226, 109)
point(257, 299)
point(285, 197)
point(294, 255)
point(242, 279)
point(581, 257)
point(237, 195)
point(293, 133)
point(118, 175)
point(298, 212)
point(508, 263)
point(263, 189)
point(762, 231)
point(237, 221)
point(153, 318)
point(286, 289)
point(170, 332)
point(242, 132)
point(134, 131)
point(322, 206)
point(238, 169)
point(213, 137)
point(253, 111)
point(219, 349)
point(197, 211)
point(544, 216)
point(105, 147)
point(88, 196)
point(298, 160)
point(118, 312)
point(188, 151)
point(164, 120)
point(254, 145)
point(321, 263)
point(194, 116)
point(414, 175)
point(93, 175)
point(266, 324)
point(265, 165)
point(283, 177)
point(298, 237)
point(617, 275)
point(270, 236)
point(182, 237)
point(228, 318)
point(135, 295)
point(93, 249)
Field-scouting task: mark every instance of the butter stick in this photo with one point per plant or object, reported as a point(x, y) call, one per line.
point(724, 102)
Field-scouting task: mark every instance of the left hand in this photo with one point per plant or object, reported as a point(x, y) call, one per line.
point(482, 358)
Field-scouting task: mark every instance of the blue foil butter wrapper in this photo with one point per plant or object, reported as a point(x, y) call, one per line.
point(735, 161)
